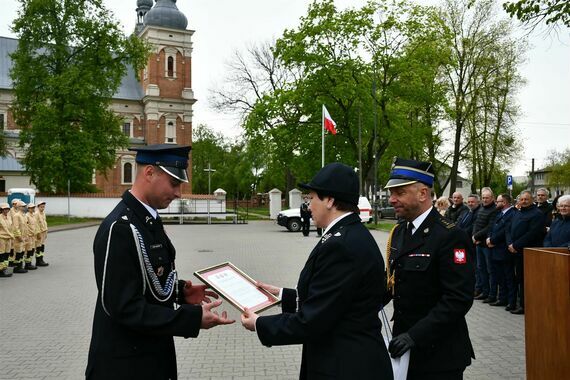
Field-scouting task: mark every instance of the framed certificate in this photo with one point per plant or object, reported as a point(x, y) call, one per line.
point(236, 287)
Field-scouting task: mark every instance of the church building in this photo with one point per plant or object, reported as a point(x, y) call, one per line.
point(156, 108)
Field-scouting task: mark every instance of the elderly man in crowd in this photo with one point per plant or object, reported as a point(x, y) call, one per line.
point(484, 221)
point(543, 205)
point(502, 264)
point(559, 233)
point(526, 230)
point(458, 209)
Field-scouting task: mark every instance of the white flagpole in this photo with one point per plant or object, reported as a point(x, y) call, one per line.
point(323, 136)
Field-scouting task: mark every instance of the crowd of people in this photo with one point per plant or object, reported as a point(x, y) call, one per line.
point(23, 232)
point(500, 229)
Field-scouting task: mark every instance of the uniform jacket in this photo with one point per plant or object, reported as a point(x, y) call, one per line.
point(339, 295)
point(498, 234)
point(305, 212)
point(32, 223)
point(559, 234)
point(433, 291)
point(41, 220)
point(527, 229)
point(133, 325)
point(5, 228)
point(484, 221)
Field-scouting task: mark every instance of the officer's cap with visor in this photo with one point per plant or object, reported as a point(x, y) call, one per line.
point(405, 172)
point(171, 158)
point(336, 180)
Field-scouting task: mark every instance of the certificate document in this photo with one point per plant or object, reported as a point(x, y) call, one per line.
point(236, 287)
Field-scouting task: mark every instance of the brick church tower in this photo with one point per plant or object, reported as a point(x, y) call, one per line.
point(157, 109)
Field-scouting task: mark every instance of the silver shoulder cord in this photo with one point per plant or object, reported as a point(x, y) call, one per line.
point(160, 293)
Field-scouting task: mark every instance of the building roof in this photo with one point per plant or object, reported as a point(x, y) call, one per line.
point(10, 164)
point(130, 88)
point(165, 14)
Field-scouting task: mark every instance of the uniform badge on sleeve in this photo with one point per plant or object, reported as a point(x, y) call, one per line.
point(459, 256)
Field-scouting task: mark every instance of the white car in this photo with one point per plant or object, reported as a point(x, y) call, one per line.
point(291, 218)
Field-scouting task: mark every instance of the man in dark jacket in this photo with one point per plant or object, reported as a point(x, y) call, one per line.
point(305, 216)
point(502, 267)
point(135, 315)
point(526, 231)
point(458, 209)
point(543, 205)
point(559, 233)
point(431, 279)
point(484, 221)
point(333, 312)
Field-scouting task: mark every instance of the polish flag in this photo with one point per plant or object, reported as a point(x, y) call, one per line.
point(328, 122)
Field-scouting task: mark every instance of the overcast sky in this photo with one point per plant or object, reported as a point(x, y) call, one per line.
point(223, 26)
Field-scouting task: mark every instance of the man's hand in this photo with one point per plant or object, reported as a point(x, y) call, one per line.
point(512, 249)
point(400, 344)
point(270, 288)
point(248, 319)
point(489, 244)
point(197, 294)
point(211, 318)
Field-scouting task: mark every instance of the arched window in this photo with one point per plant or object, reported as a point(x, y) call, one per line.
point(170, 66)
point(170, 132)
point(127, 173)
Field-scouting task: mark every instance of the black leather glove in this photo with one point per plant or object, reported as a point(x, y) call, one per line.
point(400, 344)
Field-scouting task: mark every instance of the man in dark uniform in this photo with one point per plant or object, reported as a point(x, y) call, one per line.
point(431, 279)
point(305, 216)
point(135, 315)
point(333, 312)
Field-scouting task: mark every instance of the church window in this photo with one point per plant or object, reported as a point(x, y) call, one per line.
point(170, 132)
point(127, 130)
point(2, 123)
point(170, 66)
point(127, 173)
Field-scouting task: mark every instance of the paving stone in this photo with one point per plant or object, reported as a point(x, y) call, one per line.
point(47, 314)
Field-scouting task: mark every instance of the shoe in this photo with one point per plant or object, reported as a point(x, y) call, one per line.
point(4, 273)
point(499, 303)
point(476, 293)
point(20, 269)
point(518, 311)
point(490, 300)
point(40, 262)
point(30, 266)
point(510, 307)
point(481, 297)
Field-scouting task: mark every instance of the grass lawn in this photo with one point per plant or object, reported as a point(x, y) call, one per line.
point(382, 226)
point(57, 220)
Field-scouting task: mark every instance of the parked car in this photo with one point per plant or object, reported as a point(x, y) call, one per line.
point(291, 218)
point(386, 212)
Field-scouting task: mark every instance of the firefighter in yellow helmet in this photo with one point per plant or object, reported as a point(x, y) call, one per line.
point(31, 234)
point(42, 234)
point(20, 229)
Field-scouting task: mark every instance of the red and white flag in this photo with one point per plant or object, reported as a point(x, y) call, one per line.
point(328, 122)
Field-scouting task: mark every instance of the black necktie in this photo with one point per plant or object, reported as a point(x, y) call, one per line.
point(408, 234)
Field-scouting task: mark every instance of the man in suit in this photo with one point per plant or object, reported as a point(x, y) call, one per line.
point(431, 279)
point(138, 287)
point(502, 264)
point(527, 230)
point(305, 216)
point(333, 312)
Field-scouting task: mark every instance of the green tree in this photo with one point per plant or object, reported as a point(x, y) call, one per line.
point(559, 165)
point(70, 60)
point(534, 12)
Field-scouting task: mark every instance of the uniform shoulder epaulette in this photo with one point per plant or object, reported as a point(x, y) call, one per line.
point(125, 216)
point(446, 223)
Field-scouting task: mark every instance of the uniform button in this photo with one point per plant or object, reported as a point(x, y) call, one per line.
point(417, 266)
point(399, 265)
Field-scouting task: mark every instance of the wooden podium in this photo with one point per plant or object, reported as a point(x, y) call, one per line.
point(547, 313)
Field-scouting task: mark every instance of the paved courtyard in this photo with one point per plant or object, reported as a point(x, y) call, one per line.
point(46, 315)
